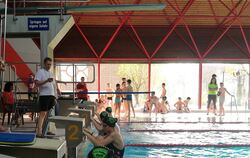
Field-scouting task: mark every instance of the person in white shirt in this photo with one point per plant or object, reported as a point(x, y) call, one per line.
point(47, 93)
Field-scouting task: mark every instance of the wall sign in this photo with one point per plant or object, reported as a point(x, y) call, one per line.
point(38, 24)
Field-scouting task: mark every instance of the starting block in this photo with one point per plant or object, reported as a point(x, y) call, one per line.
point(73, 132)
point(89, 106)
point(83, 113)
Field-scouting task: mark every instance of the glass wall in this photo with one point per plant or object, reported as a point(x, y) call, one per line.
point(236, 81)
point(138, 73)
point(182, 80)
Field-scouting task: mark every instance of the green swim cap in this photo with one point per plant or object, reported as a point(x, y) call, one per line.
point(100, 152)
point(104, 115)
point(109, 109)
point(110, 121)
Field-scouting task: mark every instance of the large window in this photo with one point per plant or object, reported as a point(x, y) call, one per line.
point(235, 78)
point(182, 80)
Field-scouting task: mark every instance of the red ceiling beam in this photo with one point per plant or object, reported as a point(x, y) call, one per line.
point(178, 34)
point(124, 59)
point(223, 22)
point(237, 44)
point(241, 29)
point(154, 59)
point(140, 45)
point(175, 23)
point(75, 59)
point(86, 40)
point(217, 21)
point(179, 26)
point(193, 41)
point(245, 39)
point(117, 30)
point(113, 36)
point(159, 15)
point(218, 39)
point(125, 28)
point(213, 11)
point(177, 9)
point(140, 41)
point(231, 11)
point(175, 59)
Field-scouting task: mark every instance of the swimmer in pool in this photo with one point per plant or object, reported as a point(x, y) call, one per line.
point(112, 138)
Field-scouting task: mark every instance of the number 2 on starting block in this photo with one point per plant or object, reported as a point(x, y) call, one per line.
point(73, 135)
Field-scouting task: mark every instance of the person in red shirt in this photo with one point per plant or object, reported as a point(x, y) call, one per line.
point(82, 90)
point(8, 97)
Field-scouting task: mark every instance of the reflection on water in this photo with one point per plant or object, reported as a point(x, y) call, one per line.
point(182, 122)
point(187, 152)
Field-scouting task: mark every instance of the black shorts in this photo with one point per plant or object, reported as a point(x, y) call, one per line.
point(46, 102)
point(109, 98)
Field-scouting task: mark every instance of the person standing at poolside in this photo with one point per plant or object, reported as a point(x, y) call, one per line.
point(82, 90)
point(117, 107)
point(129, 98)
point(163, 91)
point(221, 93)
point(45, 81)
point(109, 96)
point(212, 92)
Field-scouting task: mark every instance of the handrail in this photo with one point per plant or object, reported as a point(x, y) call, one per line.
point(233, 102)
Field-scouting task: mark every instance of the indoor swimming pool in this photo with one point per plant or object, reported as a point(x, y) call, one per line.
point(155, 140)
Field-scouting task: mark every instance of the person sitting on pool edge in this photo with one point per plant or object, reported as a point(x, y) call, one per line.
point(164, 106)
point(154, 100)
point(112, 140)
point(179, 105)
point(185, 108)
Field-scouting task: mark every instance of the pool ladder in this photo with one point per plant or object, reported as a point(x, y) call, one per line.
point(234, 103)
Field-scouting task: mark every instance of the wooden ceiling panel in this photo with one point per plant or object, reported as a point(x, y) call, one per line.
point(200, 12)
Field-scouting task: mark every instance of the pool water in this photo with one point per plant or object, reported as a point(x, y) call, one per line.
point(216, 138)
point(186, 152)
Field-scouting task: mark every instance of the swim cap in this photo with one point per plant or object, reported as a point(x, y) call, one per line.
point(109, 109)
point(104, 115)
point(100, 152)
point(110, 121)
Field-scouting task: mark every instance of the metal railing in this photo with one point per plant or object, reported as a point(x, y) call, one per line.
point(234, 103)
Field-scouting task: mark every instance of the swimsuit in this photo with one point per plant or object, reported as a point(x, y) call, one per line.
point(129, 97)
point(117, 152)
point(117, 100)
